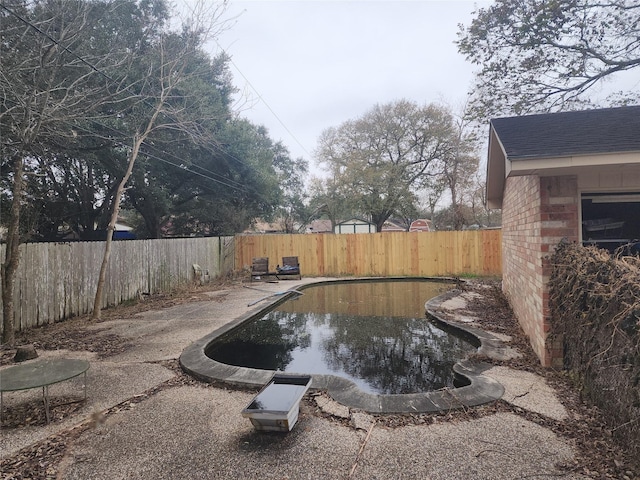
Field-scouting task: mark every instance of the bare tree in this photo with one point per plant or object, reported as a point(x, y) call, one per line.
point(165, 106)
point(482, 214)
point(459, 165)
point(383, 158)
point(539, 55)
point(50, 81)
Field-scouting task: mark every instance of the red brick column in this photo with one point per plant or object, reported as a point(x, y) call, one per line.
point(537, 213)
point(559, 220)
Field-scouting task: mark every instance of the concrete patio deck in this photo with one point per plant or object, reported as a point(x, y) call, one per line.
point(195, 431)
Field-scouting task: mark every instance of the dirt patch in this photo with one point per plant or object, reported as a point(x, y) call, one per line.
point(83, 334)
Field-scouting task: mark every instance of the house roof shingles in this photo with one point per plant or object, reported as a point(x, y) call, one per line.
point(564, 134)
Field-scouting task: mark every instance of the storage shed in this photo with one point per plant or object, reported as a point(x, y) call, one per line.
point(355, 225)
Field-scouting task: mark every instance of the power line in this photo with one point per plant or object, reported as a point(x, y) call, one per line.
point(261, 98)
point(94, 68)
point(227, 182)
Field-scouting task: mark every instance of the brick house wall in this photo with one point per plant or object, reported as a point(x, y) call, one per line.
point(537, 213)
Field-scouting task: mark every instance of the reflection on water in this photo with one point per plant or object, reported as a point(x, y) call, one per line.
point(373, 333)
point(279, 399)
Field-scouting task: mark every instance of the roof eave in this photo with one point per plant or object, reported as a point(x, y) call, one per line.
point(496, 170)
point(549, 165)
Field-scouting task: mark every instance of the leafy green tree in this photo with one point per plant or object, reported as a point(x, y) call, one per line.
point(383, 158)
point(540, 55)
point(215, 192)
point(62, 193)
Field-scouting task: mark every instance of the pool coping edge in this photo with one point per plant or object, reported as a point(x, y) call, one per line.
point(482, 389)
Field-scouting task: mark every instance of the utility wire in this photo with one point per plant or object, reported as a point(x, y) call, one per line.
point(98, 70)
point(261, 98)
point(108, 77)
point(225, 181)
point(231, 184)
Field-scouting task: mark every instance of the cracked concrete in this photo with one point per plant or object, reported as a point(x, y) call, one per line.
point(529, 391)
point(197, 432)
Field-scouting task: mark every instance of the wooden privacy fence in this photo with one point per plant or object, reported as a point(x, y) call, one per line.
point(58, 280)
point(473, 252)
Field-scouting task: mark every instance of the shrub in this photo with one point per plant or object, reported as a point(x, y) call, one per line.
point(594, 300)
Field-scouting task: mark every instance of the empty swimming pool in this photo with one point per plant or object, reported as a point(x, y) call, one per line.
point(372, 333)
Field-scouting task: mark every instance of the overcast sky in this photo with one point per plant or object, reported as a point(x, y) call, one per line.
point(310, 65)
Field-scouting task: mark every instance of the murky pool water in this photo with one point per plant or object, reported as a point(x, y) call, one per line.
point(375, 334)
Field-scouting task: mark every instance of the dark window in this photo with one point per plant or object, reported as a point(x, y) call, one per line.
point(610, 220)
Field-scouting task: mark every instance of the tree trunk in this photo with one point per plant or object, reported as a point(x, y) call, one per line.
point(97, 302)
point(138, 138)
point(170, 75)
point(12, 254)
